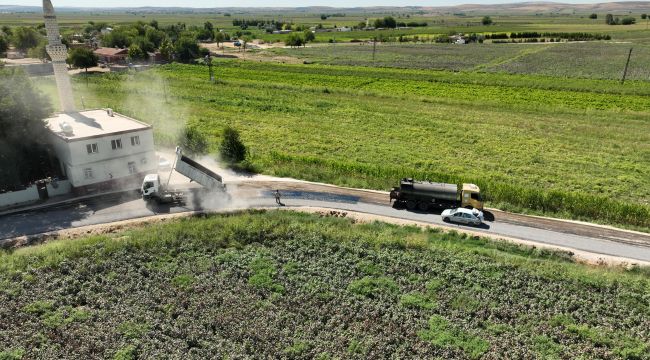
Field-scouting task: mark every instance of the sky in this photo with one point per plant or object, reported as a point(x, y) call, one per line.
point(267, 3)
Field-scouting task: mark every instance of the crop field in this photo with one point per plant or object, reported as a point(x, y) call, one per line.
point(596, 60)
point(575, 148)
point(289, 285)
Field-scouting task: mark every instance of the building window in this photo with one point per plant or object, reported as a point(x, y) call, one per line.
point(144, 161)
point(92, 148)
point(132, 167)
point(116, 144)
point(88, 173)
point(135, 140)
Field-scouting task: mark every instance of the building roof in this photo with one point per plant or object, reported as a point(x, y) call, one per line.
point(92, 124)
point(107, 51)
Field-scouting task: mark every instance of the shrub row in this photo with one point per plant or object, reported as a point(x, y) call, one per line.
point(571, 36)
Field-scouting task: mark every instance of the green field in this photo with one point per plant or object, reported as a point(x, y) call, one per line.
point(290, 285)
point(597, 60)
point(574, 148)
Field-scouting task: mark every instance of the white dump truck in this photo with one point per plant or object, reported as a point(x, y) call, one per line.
point(154, 189)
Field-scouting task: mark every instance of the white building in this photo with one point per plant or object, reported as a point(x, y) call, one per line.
point(100, 149)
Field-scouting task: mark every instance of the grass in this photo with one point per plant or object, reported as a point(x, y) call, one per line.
point(571, 148)
point(524, 303)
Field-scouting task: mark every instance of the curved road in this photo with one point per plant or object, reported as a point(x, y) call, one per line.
point(581, 237)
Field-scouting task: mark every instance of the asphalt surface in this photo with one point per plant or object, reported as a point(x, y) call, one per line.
point(129, 206)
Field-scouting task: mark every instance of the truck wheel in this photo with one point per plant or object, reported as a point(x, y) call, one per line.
point(422, 206)
point(411, 205)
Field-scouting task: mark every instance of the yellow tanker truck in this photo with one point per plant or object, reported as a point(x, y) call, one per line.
point(424, 195)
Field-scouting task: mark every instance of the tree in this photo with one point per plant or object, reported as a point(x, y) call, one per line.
point(390, 22)
point(144, 44)
point(205, 35)
point(154, 24)
point(25, 38)
point(4, 44)
point(232, 149)
point(309, 36)
point(628, 20)
point(39, 51)
point(22, 130)
point(117, 38)
point(323, 17)
point(208, 26)
point(294, 40)
point(193, 141)
point(593, 16)
point(609, 19)
point(82, 58)
point(187, 49)
point(7, 30)
point(219, 37)
point(136, 53)
point(644, 16)
point(386, 22)
point(166, 50)
point(486, 20)
point(154, 36)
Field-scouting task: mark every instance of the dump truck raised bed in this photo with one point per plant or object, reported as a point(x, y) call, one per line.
point(153, 189)
point(424, 195)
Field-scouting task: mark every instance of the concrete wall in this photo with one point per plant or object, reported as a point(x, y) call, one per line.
point(62, 187)
point(79, 154)
point(17, 197)
point(108, 163)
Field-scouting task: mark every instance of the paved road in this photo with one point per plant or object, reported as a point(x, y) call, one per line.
point(128, 206)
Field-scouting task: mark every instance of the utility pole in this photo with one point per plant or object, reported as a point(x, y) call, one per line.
point(626, 65)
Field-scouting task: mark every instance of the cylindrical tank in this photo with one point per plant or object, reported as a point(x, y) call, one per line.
point(439, 191)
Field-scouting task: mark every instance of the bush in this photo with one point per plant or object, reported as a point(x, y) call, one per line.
point(232, 148)
point(628, 20)
point(193, 141)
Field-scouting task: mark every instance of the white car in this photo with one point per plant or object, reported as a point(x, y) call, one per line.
point(463, 216)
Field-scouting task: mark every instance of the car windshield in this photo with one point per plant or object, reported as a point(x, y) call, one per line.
point(148, 185)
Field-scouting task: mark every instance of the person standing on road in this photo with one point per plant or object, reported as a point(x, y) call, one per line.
point(277, 197)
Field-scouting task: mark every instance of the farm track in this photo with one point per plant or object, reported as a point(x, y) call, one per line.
point(504, 60)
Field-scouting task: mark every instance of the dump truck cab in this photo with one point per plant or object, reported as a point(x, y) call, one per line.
point(471, 197)
point(150, 186)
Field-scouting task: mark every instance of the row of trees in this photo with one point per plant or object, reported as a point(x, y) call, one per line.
point(26, 39)
point(176, 41)
point(611, 20)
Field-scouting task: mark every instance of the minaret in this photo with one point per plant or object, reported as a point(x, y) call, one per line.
point(59, 53)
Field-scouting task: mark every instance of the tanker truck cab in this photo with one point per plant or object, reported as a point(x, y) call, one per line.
point(150, 186)
point(471, 197)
